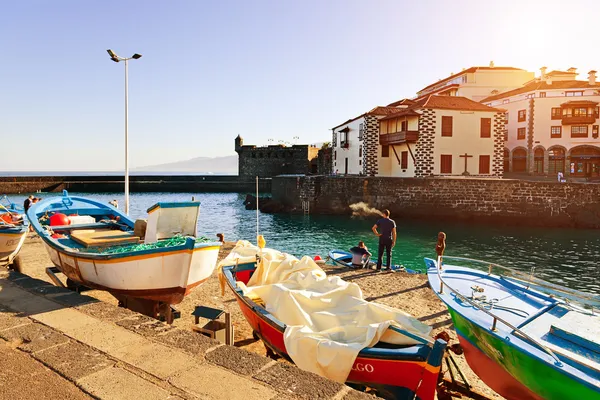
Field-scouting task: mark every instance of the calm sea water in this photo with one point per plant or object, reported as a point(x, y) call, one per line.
point(564, 256)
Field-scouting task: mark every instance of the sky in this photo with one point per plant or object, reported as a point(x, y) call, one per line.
point(267, 70)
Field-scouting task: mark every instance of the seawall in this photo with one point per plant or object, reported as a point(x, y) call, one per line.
point(508, 202)
point(137, 183)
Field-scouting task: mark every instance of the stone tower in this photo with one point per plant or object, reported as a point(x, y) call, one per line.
point(239, 142)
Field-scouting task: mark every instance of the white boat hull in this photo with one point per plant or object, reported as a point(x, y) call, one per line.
point(164, 276)
point(10, 245)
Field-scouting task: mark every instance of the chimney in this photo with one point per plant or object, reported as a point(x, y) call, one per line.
point(592, 77)
point(491, 64)
point(543, 73)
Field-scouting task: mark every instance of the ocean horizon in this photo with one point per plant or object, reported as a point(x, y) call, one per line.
point(107, 173)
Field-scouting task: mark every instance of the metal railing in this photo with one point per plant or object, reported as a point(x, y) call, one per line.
point(496, 319)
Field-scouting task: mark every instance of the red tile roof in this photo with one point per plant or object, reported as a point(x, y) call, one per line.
point(542, 85)
point(407, 112)
point(403, 102)
point(379, 110)
point(470, 70)
point(579, 103)
point(454, 103)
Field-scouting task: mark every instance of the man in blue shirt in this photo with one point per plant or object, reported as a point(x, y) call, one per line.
point(387, 238)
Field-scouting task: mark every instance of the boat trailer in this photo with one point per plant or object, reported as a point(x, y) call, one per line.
point(151, 308)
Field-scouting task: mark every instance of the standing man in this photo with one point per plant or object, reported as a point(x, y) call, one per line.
point(387, 238)
point(27, 203)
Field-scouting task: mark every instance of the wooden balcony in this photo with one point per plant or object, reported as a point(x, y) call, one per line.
point(578, 119)
point(398, 137)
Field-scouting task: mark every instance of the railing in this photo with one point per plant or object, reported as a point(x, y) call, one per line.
point(578, 119)
point(398, 137)
point(528, 279)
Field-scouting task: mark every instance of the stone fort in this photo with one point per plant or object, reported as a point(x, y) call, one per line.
point(273, 160)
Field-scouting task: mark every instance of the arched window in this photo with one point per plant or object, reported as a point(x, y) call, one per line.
point(519, 160)
point(538, 161)
point(556, 160)
point(585, 161)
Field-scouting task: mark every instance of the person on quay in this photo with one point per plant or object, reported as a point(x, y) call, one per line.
point(360, 255)
point(387, 239)
point(28, 202)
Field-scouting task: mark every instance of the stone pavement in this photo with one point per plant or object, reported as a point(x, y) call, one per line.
point(66, 345)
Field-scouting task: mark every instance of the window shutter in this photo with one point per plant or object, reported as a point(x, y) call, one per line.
point(404, 160)
point(486, 127)
point(446, 126)
point(446, 164)
point(484, 165)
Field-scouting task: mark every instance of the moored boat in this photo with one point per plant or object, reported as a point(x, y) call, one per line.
point(97, 246)
point(408, 371)
point(13, 231)
point(524, 337)
point(344, 259)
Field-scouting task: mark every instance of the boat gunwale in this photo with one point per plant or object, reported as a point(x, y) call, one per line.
point(559, 365)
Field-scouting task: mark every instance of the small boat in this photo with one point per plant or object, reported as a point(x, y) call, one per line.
point(344, 259)
point(97, 246)
point(525, 338)
point(394, 371)
point(13, 231)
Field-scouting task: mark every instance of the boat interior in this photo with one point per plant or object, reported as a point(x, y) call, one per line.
point(570, 330)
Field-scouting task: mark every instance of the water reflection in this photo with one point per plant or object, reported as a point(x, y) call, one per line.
point(564, 256)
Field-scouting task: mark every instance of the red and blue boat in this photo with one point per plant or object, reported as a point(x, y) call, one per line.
point(13, 231)
point(525, 338)
point(393, 371)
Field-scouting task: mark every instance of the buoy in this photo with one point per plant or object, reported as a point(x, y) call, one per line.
point(318, 258)
point(59, 219)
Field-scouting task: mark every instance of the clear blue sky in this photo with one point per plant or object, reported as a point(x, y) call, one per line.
point(262, 69)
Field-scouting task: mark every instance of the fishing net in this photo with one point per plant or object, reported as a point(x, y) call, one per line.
point(170, 242)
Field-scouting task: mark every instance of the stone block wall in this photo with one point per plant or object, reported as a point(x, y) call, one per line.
point(493, 201)
point(424, 150)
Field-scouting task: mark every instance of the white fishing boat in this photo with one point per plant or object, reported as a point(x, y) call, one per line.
point(97, 246)
point(13, 231)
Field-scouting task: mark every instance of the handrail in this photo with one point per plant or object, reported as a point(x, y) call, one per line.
point(530, 279)
point(496, 318)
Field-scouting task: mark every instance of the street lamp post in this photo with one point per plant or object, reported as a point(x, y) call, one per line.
point(117, 58)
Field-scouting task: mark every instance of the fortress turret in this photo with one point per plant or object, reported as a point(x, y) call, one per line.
point(239, 142)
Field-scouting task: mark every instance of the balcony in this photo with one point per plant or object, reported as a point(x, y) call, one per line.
point(398, 137)
point(578, 119)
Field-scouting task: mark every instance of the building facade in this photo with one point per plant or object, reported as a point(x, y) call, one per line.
point(268, 161)
point(477, 83)
point(442, 136)
point(354, 143)
point(552, 125)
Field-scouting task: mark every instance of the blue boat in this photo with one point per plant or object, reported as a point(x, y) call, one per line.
point(13, 231)
point(97, 246)
point(343, 258)
point(524, 337)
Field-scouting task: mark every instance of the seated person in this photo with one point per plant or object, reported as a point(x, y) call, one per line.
point(360, 255)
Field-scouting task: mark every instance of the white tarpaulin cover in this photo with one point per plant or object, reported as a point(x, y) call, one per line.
point(328, 321)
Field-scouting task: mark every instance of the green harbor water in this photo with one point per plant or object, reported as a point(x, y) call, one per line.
point(568, 257)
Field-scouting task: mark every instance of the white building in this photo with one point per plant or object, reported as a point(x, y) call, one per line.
point(552, 125)
point(354, 138)
point(441, 136)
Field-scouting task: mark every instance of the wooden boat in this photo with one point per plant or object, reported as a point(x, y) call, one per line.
point(524, 337)
point(344, 259)
point(395, 372)
point(13, 231)
point(101, 248)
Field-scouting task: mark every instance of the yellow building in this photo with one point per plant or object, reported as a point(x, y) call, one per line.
point(552, 125)
point(477, 83)
point(441, 136)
